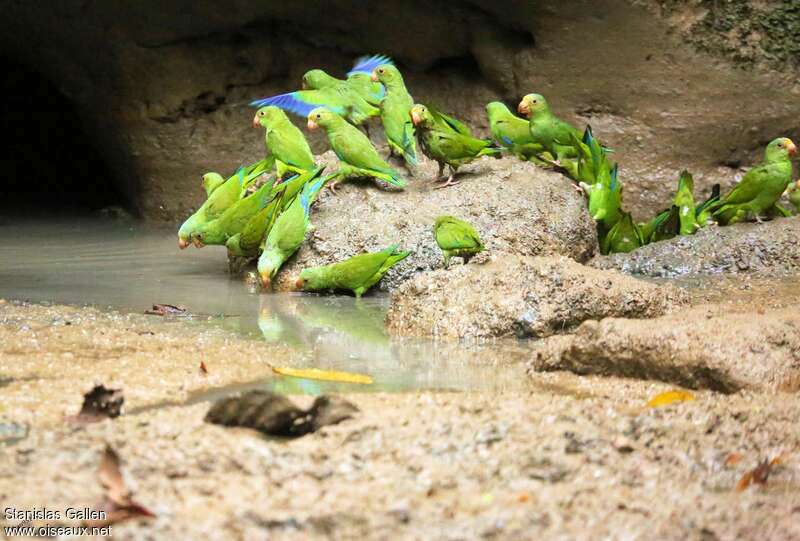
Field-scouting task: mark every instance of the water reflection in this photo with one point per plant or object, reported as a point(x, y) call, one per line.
point(131, 267)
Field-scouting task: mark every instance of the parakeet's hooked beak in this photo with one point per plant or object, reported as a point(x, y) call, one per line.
point(265, 280)
point(312, 125)
point(523, 108)
point(792, 148)
point(299, 283)
point(374, 77)
point(415, 118)
point(183, 243)
point(256, 123)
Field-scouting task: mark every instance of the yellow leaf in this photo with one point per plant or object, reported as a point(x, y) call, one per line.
point(327, 375)
point(670, 397)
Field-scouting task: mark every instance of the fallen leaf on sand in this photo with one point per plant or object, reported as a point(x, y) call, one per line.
point(326, 375)
point(733, 459)
point(759, 474)
point(669, 397)
point(100, 403)
point(118, 503)
point(203, 368)
point(166, 310)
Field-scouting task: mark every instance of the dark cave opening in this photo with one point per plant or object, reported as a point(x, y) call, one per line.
point(49, 163)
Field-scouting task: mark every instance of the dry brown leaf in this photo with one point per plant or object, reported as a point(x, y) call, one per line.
point(118, 503)
point(203, 368)
point(732, 459)
point(760, 474)
point(166, 310)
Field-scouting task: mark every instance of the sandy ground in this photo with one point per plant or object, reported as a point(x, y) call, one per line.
point(569, 458)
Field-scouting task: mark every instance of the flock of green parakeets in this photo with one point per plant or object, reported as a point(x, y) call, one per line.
point(258, 213)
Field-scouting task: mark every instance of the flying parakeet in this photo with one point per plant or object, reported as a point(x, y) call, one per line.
point(445, 145)
point(234, 218)
point(512, 131)
point(289, 231)
point(624, 237)
point(456, 238)
point(224, 195)
point(357, 156)
point(360, 78)
point(358, 274)
point(284, 141)
point(395, 109)
point(250, 240)
point(761, 186)
point(547, 129)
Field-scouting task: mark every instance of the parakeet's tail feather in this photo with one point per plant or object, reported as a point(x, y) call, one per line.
point(392, 177)
point(312, 189)
point(366, 64)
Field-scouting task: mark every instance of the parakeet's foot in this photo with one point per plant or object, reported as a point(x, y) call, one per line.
point(450, 182)
point(332, 186)
point(578, 188)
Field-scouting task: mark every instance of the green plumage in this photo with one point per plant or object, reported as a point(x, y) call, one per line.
point(355, 151)
point(457, 238)
point(760, 188)
point(605, 198)
point(547, 129)
point(285, 142)
point(234, 218)
point(289, 231)
point(446, 145)
point(511, 131)
point(357, 274)
point(220, 198)
point(624, 237)
point(395, 108)
point(794, 196)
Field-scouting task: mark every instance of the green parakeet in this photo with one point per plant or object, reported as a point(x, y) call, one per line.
point(794, 196)
point(443, 144)
point(284, 141)
point(360, 78)
point(605, 198)
point(250, 240)
point(288, 232)
point(684, 200)
point(456, 238)
point(358, 274)
point(357, 156)
point(761, 186)
point(223, 196)
point(624, 237)
point(704, 209)
point(212, 181)
point(234, 218)
point(677, 220)
point(546, 128)
point(512, 131)
point(395, 109)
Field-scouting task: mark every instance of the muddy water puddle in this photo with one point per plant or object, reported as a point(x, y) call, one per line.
point(130, 267)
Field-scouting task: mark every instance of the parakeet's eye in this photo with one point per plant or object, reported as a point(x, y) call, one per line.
point(319, 115)
point(380, 70)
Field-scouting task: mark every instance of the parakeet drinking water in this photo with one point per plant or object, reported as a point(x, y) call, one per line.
point(285, 142)
point(395, 108)
point(442, 143)
point(289, 231)
point(456, 238)
point(512, 131)
point(358, 274)
point(221, 197)
point(605, 198)
point(624, 237)
point(761, 186)
point(546, 128)
point(357, 155)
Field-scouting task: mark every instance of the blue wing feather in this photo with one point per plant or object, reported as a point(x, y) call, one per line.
point(308, 194)
point(366, 64)
point(507, 140)
point(300, 103)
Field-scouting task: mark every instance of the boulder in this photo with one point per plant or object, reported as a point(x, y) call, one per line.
point(522, 297)
point(516, 207)
point(770, 248)
point(724, 352)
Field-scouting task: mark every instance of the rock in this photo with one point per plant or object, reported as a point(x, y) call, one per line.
point(771, 248)
point(520, 296)
point(516, 207)
point(276, 415)
point(725, 352)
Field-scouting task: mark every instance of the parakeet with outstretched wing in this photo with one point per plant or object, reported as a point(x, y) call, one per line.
point(357, 155)
point(357, 274)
